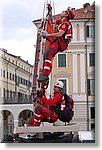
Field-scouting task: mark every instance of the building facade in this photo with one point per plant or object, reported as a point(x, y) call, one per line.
point(15, 90)
point(76, 67)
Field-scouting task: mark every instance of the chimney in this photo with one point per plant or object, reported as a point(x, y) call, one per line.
point(73, 8)
point(86, 5)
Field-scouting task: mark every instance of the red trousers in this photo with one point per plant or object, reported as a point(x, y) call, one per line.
point(42, 114)
point(57, 46)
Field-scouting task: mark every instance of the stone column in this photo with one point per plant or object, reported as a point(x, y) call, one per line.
point(75, 75)
point(1, 126)
point(82, 72)
point(16, 121)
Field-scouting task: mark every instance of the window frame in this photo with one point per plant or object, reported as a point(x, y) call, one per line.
point(58, 60)
point(92, 112)
point(89, 87)
point(90, 31)
point(91, 64)
point(66, 79)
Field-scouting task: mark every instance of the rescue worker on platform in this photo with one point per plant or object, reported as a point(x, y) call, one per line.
point(62, 39)
point(46, 110)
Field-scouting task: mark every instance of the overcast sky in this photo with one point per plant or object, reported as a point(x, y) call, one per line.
point(17, 32)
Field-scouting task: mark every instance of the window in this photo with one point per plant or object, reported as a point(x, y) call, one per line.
point(26, 97)
point(19, 97)
point(90, 31)
point(92, 59)
point(92, 125)
point(91, 87)
point(27, 83)
point(21, 81)
point(92, 112)
point(87, 31)
point(13, 77)
point(7, 75)
point(16, 78)
point(13, 61)
point(65, 85)
point(10, 76)
point(61, 60)
point(4, 73)
point(4, 93)
point(10, 94)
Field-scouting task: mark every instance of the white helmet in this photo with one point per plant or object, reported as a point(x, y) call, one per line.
point(59, 84)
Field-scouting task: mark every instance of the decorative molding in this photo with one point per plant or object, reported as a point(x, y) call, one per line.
point(62, 73)
point(91, 74)
point(80, 51)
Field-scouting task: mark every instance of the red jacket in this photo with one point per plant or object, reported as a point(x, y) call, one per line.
point(54, 100)
point(67, 27)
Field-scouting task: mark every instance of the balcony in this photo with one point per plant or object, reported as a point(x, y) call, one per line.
point(16, 100)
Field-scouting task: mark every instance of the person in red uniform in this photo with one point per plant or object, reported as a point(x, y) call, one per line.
point(63, 37)
point(45, 112)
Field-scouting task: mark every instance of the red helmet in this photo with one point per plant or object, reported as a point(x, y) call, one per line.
point(58, 21)
point(70, 14)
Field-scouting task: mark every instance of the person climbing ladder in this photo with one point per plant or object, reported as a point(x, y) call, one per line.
point(62, 39)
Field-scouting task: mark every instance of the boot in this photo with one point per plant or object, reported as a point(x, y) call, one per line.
point(34, 121)
point(43, 78)
point(31, 121)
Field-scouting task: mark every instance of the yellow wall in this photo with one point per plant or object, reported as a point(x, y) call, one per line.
point(63, 72)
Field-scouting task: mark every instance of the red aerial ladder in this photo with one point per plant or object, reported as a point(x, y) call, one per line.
point(41, 46)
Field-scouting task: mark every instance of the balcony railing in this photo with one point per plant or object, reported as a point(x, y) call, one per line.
point(16, 100)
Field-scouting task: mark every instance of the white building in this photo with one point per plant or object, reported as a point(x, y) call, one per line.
point(15, 90)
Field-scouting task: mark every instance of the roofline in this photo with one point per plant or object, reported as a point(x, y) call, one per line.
point(5, 51)
point(38, 20)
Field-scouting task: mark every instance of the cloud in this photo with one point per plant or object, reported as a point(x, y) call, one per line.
point(24, 48)
point(17, 17)
point(20, 33)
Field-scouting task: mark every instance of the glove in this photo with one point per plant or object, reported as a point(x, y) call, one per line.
point(45, 85)
point(41, 93)
point(44, 33)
